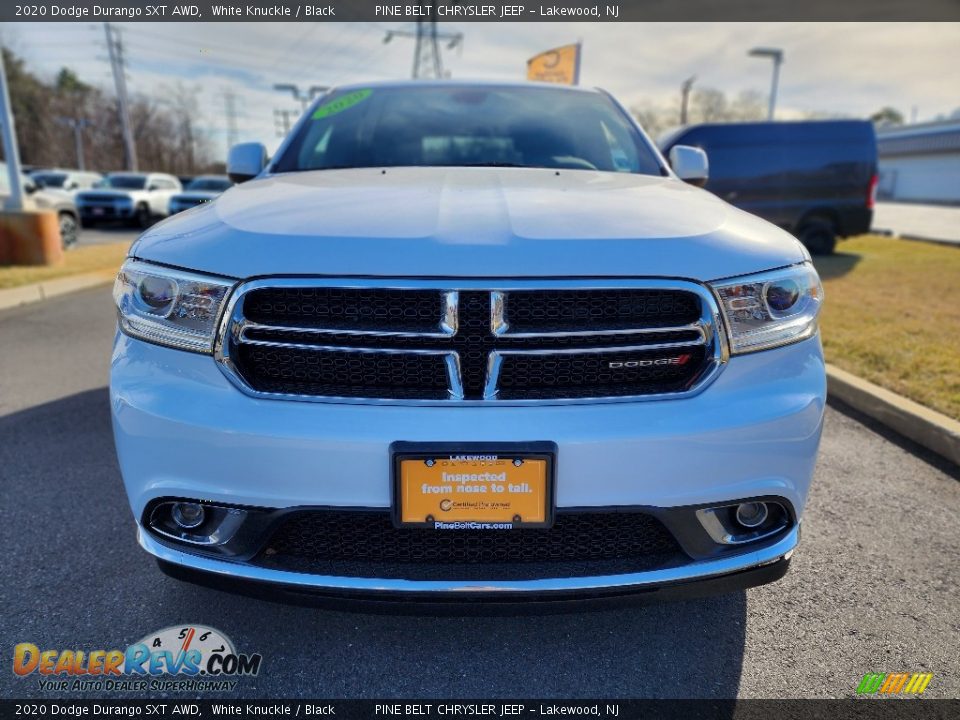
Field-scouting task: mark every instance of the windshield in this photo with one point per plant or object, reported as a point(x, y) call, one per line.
point(50, 180)
point(210, 184)
point(469, 126)
point(127, 182)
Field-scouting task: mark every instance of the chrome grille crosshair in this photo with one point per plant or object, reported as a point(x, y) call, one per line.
point(471, 341)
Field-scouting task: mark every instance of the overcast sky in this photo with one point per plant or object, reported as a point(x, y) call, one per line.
point(851, 69)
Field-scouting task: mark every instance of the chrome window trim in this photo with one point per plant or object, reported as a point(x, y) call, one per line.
point(710, 326)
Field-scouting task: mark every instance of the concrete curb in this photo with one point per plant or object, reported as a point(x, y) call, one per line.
point(924, 426)
point(935, 241)
point(36, 292)
point(886, 232)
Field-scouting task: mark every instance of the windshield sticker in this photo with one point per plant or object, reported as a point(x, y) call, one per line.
point(341, 103)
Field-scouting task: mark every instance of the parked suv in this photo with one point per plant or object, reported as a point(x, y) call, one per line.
point(817, 179)
point(41, 198)
point(138, 198)
point(198, 191)
point(464, 341)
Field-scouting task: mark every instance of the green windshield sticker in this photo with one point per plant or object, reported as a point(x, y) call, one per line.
point(341, 103)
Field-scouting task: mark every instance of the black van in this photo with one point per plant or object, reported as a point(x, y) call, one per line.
point(816, 179)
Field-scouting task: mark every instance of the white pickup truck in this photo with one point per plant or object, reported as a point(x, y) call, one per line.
point(462, 341)
point(137, 198)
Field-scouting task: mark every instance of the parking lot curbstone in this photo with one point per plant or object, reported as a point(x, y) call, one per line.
point(36, 292)
point(934, 431)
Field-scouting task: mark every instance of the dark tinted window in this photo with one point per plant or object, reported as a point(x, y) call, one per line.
point(209, 184)
point(50, 180)
point(468, 126)
point(127, 182)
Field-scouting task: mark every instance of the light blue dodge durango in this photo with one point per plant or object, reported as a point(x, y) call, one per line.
point(468, 341)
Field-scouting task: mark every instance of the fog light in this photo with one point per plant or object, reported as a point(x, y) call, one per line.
point(751, 514)
point(187, 515)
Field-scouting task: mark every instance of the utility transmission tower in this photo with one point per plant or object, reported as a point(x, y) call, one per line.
point(427, 62)
point(283, 120)
point(115, 49)
point(77, 125)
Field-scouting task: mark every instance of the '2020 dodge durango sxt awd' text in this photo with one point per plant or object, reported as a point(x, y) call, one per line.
point(462, 340)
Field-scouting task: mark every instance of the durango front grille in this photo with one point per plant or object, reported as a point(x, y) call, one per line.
point(457, 342)
point(366, 544)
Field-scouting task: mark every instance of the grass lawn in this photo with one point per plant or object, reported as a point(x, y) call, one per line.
point(892, 316)
point(79, 260)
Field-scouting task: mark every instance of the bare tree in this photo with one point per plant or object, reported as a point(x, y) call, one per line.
point(164, 126)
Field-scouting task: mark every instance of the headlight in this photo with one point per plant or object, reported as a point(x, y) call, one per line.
point(770, 309)
point(169, 307)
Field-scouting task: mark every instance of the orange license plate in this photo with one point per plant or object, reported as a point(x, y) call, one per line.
point(451, 488)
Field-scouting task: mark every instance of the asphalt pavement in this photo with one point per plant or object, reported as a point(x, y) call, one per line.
point(873, 586)
point(108, 234)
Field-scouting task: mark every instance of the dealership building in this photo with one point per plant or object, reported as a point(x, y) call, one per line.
point(920, 163)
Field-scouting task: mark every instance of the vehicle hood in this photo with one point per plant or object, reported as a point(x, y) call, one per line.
point(468, 222)
point(51, 198)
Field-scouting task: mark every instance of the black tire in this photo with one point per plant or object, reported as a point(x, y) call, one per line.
point(69, 230)
point(143, 217)
point(818, 235)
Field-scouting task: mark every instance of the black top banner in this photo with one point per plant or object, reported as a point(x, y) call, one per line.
point(460, 11)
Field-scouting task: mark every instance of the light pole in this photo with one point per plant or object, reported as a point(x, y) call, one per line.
point(77, 125)
point(775, 54)
point(305, 98)
point(14, 200)
point(684, 97)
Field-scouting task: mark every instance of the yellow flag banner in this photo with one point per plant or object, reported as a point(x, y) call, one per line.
point(560, 65)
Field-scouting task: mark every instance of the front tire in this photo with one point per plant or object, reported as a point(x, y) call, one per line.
point(69, 230)
point(143, 217)
point(819, 236)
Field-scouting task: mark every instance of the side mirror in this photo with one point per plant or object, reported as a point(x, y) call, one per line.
point(245, 161)
point(29, 186)
point(690, 164)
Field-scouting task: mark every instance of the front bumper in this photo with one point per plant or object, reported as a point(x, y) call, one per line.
point(184, 431)
point(105, 211)
point(694, 580)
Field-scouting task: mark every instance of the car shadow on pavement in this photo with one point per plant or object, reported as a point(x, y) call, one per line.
point(72, 538)
point(836, 265)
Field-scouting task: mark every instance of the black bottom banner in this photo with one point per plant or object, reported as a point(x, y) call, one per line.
point(924, 709)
